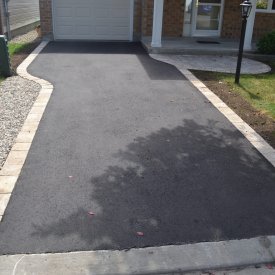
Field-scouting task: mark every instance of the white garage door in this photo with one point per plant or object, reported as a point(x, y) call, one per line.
point(92, 19)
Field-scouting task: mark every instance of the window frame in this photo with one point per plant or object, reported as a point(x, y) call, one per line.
point(269, 8)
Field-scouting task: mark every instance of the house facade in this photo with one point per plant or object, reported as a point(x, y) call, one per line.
point(18, 16)
point(134, 19)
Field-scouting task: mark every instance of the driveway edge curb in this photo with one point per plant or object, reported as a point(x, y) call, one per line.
point(250, 134)
point(16, 158)
point(156, 260)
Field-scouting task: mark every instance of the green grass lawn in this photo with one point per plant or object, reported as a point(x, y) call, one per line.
point(259, 90)
point(15, 48)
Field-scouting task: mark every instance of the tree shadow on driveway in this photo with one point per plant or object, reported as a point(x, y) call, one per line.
point(188, 184)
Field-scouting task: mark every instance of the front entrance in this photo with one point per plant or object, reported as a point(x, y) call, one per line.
point(203, 17)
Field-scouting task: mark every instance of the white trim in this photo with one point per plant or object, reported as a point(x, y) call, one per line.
point(195, 32)
point(264, 11)
point(250, 27)
point(132, 14)
point(53, 21)
point(157, 23)
point(268, 9)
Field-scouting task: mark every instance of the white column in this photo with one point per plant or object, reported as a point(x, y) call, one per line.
point(157, 23)
point(250, 27)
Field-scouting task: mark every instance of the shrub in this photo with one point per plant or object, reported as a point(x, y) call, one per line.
point(261, 4)
point(266, 44)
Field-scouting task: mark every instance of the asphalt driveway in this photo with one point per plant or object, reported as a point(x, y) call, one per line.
point(129, 139)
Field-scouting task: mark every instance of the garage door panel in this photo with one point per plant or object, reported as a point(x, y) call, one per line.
point(80, 3)
point(83, 12)
point(92, 19)
point(118, 13)
point(65, 29)
point(61, 3)
point(101, 13)
point(83, 30)
point(64, 12)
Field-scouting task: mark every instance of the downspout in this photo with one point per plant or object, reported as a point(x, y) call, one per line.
point(7, 17)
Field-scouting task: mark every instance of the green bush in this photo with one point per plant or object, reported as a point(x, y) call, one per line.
point(262, 4)
point(266, 45)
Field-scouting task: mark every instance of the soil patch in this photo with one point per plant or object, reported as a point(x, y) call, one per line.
point(260, 122)
point(18, 58)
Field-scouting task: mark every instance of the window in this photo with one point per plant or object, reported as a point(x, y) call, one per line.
point(266, 5)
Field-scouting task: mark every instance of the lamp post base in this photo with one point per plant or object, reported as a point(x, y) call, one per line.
point(240, 56)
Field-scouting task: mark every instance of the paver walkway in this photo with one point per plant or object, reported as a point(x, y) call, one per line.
point(212, 63)
point(129, 138)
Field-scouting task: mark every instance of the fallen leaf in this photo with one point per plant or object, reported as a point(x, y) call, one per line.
point(141, 234)
point(91, 213)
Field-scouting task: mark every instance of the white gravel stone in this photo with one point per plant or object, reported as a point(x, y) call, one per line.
point(17, 96)
point(25, 38)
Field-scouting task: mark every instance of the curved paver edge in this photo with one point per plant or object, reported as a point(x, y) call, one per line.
point(169, 258)
point(250, 134)
point(13, 165)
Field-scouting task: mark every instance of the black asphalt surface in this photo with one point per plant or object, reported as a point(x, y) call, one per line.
point(130, 139)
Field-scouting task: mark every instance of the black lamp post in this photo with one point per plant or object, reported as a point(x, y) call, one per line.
point(246, 9)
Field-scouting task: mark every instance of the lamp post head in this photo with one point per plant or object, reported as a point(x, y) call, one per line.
point(246, 8)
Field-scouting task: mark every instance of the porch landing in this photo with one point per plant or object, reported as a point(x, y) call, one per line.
point(213, 63)
point(195, 45)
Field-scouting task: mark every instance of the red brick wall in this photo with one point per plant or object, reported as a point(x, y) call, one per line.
point(264, 22)
point(147, 17)
point(172, 18)
point(231, 19)
point(46, 16)
point(137, 19)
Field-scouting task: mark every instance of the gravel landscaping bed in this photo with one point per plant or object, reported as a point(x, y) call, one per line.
point(25, 38)
point(17, 96)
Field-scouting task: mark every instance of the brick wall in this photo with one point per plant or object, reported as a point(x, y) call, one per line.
point(172, 18)
point(147, 17)
point(46, 16)
point(137, 19)
point(231, 19)
point(264, 22)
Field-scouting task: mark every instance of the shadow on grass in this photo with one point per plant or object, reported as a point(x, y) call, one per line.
point(251, 95)
point(187, 184)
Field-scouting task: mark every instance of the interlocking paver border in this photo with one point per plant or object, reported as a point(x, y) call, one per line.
point(250, 134)
point(18, 154)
